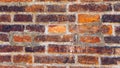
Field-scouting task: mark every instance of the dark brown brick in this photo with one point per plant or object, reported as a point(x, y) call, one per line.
point(22, 59)
point(56, 67)
point(90, 7)
point(4, 37)
point(110, 18)
point(55, 18)
point(12, 8)
point(22, 18)
point(46, 18)
point(8, 28)
point(54, 59)
point(36, 28)
point(35, 49)
point(88, 59)
point(11, 48)
point(5, 18)
point(110, 60)
point(112, 39)
point(117, 30)
point(5, 58)
point(56, 8)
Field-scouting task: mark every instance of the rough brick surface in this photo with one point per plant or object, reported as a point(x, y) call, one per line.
point(59, 33)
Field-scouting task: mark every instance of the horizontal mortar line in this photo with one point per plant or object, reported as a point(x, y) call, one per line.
point(66, 13)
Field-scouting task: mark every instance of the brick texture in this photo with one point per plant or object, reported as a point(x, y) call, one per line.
point(59, 33)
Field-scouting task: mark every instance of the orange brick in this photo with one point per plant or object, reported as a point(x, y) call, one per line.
point(57, 29)
point(22, 38)
point(86, 18)
point(88, 59)
point(35, 8)
point(107, 29)
point(90, 39)
point(22, 58)
point(15, 0)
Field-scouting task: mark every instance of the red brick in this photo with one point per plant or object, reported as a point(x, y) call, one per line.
point(87, 18)
point(100, 50)
point(10, 66)
point(54, 59)
point(52, 48)
point(22, 59)
point(88, 59)
point(56, 67)
point(5, 18)
point(35, 66)
point(35, 8)
point(11, 48)
point(90, 39)
point(15, 0)
point(91, 7)
point(5, 58)
point(54, 38)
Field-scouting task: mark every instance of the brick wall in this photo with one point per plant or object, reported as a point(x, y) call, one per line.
point(59, 34)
